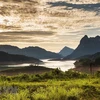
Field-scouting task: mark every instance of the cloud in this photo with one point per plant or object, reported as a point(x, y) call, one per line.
point(44, 22)
point(70, 6)
point(9, 27)
point(20, 8)
point(28, 33)
point(32, 36)
point(18, 1)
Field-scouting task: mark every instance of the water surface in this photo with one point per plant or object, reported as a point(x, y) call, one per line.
point(63, 65)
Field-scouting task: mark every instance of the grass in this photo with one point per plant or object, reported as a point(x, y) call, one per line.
point(53, 85)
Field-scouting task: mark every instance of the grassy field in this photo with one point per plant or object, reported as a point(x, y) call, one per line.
point(53, 85)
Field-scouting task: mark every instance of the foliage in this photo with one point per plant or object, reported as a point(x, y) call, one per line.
point(54, 74)
point(83, 62)
point(87, 62)
point(97, 61)
point(54, 85)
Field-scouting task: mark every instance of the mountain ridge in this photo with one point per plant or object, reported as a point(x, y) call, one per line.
point(66, 51)
point(6, 58)
point(87, 46)
point(30, 51)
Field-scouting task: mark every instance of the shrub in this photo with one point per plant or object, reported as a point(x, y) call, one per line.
point(98, 74)
point(72, 98)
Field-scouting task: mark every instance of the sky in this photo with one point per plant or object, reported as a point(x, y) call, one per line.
point(50, 24)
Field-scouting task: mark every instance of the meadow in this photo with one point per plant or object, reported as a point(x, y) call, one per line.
point(53, 85)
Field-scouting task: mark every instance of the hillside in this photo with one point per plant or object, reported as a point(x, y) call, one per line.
point(35, 52)
point(66, 51)
point(88, 63)
point(6, 58)
point(92, 57)
point(87, 46)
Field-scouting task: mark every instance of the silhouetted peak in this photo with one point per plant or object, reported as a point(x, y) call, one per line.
point(66, 51)
point(97, 37)
point(34, 48)
point(87, 46)
point(67, 48)
point(84, 39)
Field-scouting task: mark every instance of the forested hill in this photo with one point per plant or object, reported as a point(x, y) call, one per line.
point(6, 58)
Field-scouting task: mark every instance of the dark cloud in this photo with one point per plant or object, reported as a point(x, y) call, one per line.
point(29, 33)
point(69, 6)
point(23, 36)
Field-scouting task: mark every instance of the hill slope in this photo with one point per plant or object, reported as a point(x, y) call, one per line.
point(66, 51)
point(36, 52)
point(6, 58)
point(87, 46)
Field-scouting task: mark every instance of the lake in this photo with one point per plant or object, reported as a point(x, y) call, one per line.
point(63, 65)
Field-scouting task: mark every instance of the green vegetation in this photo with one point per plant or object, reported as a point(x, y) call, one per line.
point(88, 62)
point(54, 85)
point(6, 59)
point(83, 62)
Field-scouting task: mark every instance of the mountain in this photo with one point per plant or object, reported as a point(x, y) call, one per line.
point(6, 58)
point(66, 51)
point(87, 46)
point(39, 53)
point(35, 52)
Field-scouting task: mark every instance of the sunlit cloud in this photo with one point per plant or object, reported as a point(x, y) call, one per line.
point(48, 22)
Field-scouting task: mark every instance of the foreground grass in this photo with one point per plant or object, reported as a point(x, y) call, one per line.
point(55, 85)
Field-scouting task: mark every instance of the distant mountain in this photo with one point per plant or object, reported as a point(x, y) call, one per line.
point(87, 46)
point(35, 52)
point(6, 58)
point(66, 51)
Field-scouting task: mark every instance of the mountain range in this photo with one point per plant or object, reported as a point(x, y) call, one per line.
point(35, 52)
point(66, 51)
point(87, 46)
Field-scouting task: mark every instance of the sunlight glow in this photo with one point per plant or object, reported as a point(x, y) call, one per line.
point(64, 20)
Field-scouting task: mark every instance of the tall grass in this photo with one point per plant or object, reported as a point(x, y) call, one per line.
point(55, 85)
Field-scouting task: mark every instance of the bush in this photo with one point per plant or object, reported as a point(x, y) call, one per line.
point(35, 78)
point(97, 61)
point(75, 74)
point(72, 98)
point(97, 74)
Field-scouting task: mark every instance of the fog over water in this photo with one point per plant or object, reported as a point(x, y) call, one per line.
point(63, 65)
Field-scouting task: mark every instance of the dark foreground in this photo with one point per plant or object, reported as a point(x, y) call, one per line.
point(28, 70)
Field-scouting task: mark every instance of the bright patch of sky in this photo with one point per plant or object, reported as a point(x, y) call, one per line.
point(50, 24)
